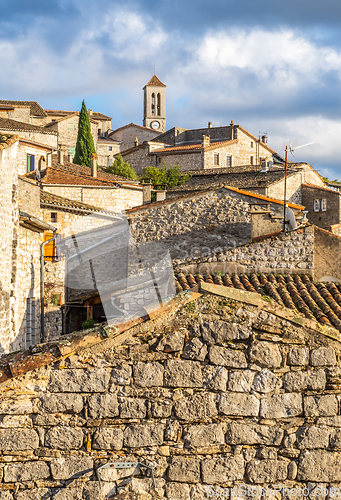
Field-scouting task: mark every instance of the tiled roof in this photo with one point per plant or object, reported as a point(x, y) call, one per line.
point(47, 199)
point(83, 170)
point(37, 144)
point(95, 114)
point(315, 300)
point(54, 175)
point(197, 147)
point(315, 186)
point(74, 113)
point(36, 109)
point(7, 140)
point(8, 124)
point(134, 125)
point(246, 177)
point(156, 82)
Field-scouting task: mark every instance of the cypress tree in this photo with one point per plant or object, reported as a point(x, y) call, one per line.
point(85, 144)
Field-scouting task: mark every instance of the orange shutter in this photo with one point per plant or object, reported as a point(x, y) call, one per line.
point(49, 249)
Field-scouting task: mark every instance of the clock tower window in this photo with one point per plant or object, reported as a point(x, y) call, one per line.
point(158, 104)
point(153, 104)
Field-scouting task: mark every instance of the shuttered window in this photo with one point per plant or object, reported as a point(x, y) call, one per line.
point(49, 249)
point(229, 161)
point(324, 205)
point(316, 205)
point(216, 159)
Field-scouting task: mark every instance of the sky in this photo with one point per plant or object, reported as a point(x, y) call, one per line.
point(272, 67)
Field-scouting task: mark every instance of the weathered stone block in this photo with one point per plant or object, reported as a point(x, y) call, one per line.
point(243, 405)
point(121, 375)
point(196, 407)
point(266, 381)
point(72, 467)
point(10, 407)
point(68, 494)
point(18, 439)
point(298, 356)
point(319, 466)
point(148, 374)
point(195, 349)
point(184, 470)
point(177, 491)
point(240, 381)
point(138, 436)
point(312, 437)
point(265, 354)
point(214, 377)
point(133, 408)
point(79, 380)
point(320, 406)
point(108, 438)
point(161, 409)
point(26, 471)
point(102, 406)
point(218, 332)
point(181, 373)
point(313, 380)
point(240, 433)
point(6, 495)
point(172, 342)
point(64, 438)
point(55, 403)
point(34, 494)
point(281, 406)
point(227, 357)
point(266, 471)
point(221, 470)
point(323, 356)
point(204, 435)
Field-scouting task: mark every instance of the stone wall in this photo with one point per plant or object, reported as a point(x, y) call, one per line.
point(139, 158)
point(19, 113)
point(9, 227)
point(39, 152)
point(327, 249)
point(43, 136)
point(115, 199)
point(67, 130)
point(129, 133)
point(320, 218)
point(215, 395)
point(105, 155)
point(188, 161)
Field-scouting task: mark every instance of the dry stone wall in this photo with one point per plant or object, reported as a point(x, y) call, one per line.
point(222, 399)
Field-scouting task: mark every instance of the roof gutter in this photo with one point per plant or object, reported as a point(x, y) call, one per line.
point(42, 304)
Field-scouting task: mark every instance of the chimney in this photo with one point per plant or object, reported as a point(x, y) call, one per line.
point(93, 165)
point(136, 142)
point(233, 131)
point(90, 112)
point(147, 193)
point(209, 124)
point(264, 139)
point(60, 157)
point(160, 195)
point(205, 141)
point(70, 158)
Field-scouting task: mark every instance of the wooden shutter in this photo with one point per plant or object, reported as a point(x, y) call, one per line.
point(324, 204)
point(49, 249)
point(316, 205)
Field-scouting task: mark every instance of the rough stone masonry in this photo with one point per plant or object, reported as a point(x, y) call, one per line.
point(213, 394)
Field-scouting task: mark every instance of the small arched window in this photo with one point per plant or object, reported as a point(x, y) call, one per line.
point(153, 104)
point(158, 103)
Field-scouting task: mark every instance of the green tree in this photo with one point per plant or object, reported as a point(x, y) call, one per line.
point(171, 177)
point(85, 143)
point(121, 167)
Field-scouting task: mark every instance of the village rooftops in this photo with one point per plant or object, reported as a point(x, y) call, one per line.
point(75, 113)
point(8, 124)
point(35, 108)
point(62, 113)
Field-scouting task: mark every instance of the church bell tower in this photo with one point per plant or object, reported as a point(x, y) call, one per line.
point(155, 105)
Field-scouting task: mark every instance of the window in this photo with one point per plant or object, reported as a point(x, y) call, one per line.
point(216, 159)
point(110, 148)
point(72, 151)
point(229, 161)
point(49, 249)
point(71, 126)
point(153, 104)
point(251, 160)
point(323, 205)
point(30, 163)
point(99, 131)
point(316, 205)
point(54, 216)
point(251, 144)
point(158, 104)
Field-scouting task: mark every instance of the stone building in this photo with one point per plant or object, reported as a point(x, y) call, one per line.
point(107, 148)
point(154, 106)
point(324, 205)
point(132, 135)
point(29, 112)
point(201, 149)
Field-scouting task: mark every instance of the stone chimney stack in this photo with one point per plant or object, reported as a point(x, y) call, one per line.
point(209, 124)
point(60, 157)
point(70, 158)
point(264, 139)
point(205, 141)
point(94, 165)
point(90, 112)
point(147, 193)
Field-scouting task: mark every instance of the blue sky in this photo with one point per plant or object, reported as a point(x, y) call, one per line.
point(270, 66)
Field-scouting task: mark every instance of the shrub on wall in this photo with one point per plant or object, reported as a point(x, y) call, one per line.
point(171, 177)
point(122, 168)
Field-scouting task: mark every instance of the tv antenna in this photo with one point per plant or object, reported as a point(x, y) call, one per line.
point(287, 149)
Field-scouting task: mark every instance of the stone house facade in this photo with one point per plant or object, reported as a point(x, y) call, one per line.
point(29, 112)
point(106, 151)
point(128, 135)
point(202, 149)
point(103, 121)
point(32, 156)
point(29, 132)
point(323, 203)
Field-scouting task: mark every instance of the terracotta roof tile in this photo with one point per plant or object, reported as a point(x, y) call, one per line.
point(315, 300)
point(55, 175)
point(156, 82)
point(7, 140)
point(47, 198)
point(8, 124)
point(83, 170)
point(36, 109)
